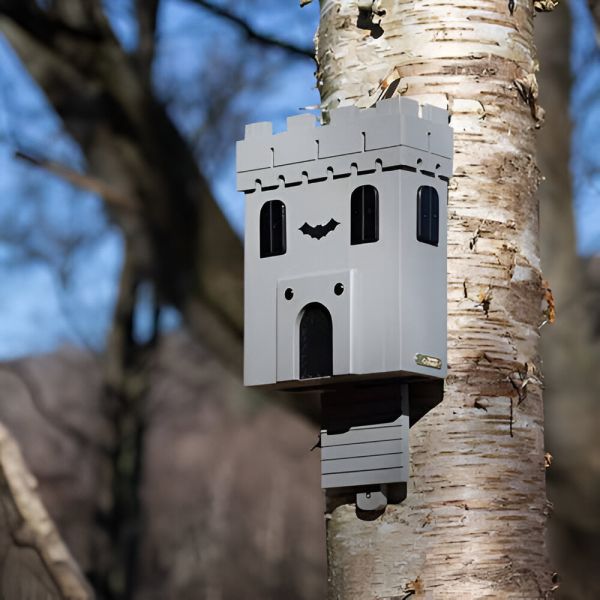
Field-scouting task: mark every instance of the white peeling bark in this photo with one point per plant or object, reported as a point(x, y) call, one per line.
point(34, 562)
point(473, 523)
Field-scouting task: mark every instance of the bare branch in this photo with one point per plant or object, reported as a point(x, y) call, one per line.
point(127, 380)
point(254, 35)
point(595, 10)
point(86, 182)
point(132, 144)
point(42, 566)
point(146, 11)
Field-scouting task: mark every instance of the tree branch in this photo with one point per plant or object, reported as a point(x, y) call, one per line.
point(41, 565)
point(146, 12)
point(127, 380)
point(132, 145)
point(252, 34)
point(86, 182)
point(595, 10)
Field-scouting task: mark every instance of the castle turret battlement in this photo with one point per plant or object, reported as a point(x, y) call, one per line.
point(345, 279)
point(395, 133)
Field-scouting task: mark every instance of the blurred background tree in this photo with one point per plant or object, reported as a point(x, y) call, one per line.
point(143, 101)
point(117, 123)
point(571, 345)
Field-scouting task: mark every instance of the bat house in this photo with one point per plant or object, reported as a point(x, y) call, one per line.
point(345, 273)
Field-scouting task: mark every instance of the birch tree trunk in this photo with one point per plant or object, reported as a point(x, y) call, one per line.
point(473, 523)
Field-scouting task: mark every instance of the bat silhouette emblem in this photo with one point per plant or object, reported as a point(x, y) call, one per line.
point(319, 231)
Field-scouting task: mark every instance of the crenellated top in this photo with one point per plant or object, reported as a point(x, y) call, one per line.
point(394, 133)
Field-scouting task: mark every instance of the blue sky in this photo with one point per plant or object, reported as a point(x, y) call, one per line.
point(585, 114)
point(41, 307)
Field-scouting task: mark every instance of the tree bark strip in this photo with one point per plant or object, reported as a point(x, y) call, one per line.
point(473, 523)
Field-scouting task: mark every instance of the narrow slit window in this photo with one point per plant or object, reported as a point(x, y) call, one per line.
point(364, 215)
point(428, 215)
point(272, 229)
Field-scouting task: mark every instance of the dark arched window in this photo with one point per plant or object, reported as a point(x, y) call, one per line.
point(364, 215)
point(316, 342)
point(428, 215)
point(272, 229)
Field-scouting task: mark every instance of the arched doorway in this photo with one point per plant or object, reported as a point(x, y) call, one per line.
point(316, 342)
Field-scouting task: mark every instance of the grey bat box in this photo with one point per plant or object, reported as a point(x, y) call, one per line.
point(345, 246)
point(345, 278)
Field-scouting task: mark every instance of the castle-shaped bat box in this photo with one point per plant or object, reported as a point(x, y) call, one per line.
point(345, 246)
